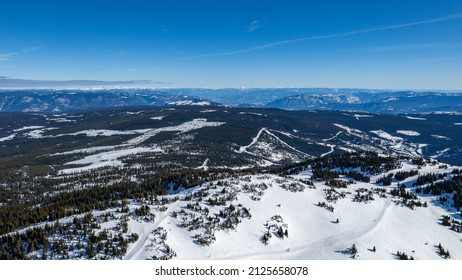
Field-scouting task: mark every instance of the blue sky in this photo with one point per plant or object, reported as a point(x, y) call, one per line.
point(405, 44)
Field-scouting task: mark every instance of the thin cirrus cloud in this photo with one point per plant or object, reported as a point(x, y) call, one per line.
point(122, 53)
point(9, 56)
point(6, 56)
point(255, 25)
point(327, 36)
point(30, 49)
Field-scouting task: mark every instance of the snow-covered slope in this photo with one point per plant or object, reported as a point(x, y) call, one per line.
point(313, 231)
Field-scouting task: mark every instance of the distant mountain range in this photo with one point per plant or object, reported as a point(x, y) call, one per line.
point(379, 101)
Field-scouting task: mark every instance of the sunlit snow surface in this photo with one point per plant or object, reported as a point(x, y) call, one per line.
point(312, 230)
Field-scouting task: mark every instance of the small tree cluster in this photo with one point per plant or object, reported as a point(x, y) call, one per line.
point(443, 252)
point(363, 195)
point(275, 226)
point(326, 206)
point(403, 256)
point(386, 180)
point(402, 175)
point(353, 251)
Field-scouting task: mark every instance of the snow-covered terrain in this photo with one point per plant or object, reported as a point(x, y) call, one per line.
point(106, 159)
point(170, 183)
point(229, 219)
point(112, 155)
point(269, 216)
point(182, 128)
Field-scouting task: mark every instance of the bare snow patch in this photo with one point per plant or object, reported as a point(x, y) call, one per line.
point(158, 118)
point(387, 136)
point(28, 128)
point(440, 137)
point(190, 102)
point(408, 132)
point(441, 153)
point(11, 137)
point(250, 113)
point(106, 159)
point(357, 116)
point(349, 130)
point(416, 118)
point(107, 132)
point(38, 133)
point(60, 120)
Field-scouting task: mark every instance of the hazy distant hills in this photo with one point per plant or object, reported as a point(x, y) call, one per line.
point(283, 98)
point(399, 102)
point(55, 101)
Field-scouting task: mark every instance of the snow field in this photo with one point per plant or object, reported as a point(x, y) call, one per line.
point(312, 230)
